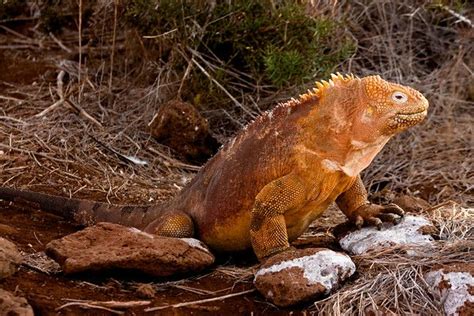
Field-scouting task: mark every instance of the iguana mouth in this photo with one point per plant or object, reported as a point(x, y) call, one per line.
point(407, 115)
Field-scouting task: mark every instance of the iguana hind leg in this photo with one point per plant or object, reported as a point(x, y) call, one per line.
point(268, 232)
point(172, 224)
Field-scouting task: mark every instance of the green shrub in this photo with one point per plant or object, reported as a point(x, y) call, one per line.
point(280, 45)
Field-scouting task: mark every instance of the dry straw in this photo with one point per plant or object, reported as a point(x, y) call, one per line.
point(392, 280)
point(52, 140)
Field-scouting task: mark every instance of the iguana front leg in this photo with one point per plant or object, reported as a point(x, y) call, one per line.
point(360, 211)
point(268, 228)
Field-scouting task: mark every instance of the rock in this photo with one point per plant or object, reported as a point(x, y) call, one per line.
point(181, 127)
point(12, 305)
point(455, 287)
point(10, 258)
point(296, 276)
point(41, 262)
point(410, 231)
point(108, 246)
point(7, 230)
point(411, 204)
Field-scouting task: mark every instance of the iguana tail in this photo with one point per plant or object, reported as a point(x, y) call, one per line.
point(86, 212)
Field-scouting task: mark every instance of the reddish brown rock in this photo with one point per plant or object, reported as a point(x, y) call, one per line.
point(454, 287)
point(10, 258)
point(179, 126)
point(296, 276)
point(12, 305)
point(108, 246)
point(411, 204)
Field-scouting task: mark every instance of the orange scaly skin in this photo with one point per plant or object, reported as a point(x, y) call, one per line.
point(264, 187)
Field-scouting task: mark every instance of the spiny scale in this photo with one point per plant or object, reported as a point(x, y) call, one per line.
point(322, 85)
point(320, 88)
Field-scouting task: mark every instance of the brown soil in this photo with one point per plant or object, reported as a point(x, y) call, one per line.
point(15, 68)
point(31, 229)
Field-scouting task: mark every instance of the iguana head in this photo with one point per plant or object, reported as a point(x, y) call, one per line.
point(389, 107)
point(369, 108)
point(355, 117)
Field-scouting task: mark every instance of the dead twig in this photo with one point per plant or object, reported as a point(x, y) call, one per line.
point(2, 97)
point(208, 300)
point(60, 44)
point(170, 162)
point(220, 86)
point(89, 306)
point(59, 91)
point(104, 305)
point(8, 118)
point(33, 153)
point(83, 112)
point(461, 18)
point(113, 304)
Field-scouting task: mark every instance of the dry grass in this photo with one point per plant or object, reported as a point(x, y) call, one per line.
point(417, 44)
point(392, 281)
point(87, 153)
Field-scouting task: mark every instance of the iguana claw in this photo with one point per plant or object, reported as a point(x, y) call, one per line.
point(375, 215)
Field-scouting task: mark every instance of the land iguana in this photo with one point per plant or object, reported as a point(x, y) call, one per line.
point(266, 185)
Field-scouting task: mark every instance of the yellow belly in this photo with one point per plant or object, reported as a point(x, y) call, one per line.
point(234, 234)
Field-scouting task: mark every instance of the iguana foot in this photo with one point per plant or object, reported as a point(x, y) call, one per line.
point(172, 224)
point(375, 215)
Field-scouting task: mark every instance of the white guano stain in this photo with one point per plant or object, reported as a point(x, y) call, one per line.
point(137, 231)
point(458, 294)
point(195, 243)
point(323, 267)
point(406, 232)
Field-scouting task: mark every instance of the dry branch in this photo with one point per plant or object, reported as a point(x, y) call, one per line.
point(208, 300)
point(59, 91)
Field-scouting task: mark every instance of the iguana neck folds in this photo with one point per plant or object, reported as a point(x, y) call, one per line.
point(351, 161)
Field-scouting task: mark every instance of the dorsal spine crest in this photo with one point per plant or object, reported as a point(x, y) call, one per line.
point(322, 85)
point(316, 92)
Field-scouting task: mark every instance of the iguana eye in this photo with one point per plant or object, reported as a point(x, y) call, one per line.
point(399, 97)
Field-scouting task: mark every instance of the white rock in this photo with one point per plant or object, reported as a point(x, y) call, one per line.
point(455, 294)
point(295, 276)
point(323, 267)
point(407, 232)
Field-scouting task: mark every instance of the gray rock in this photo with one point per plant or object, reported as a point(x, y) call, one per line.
point(410, 231)
point(12, 305)
point(10, 258)
point(454, 287)
point(296, 276)
point(108, 246)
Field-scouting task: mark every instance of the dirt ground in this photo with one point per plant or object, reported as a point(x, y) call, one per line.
point(31, 229)
point(34, 155)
